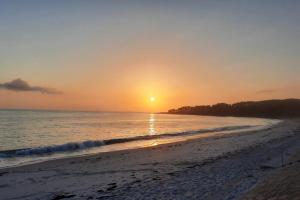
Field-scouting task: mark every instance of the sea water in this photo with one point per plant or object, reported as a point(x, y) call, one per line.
point(28, 136)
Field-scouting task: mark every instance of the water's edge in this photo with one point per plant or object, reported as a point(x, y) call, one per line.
point(74, 146)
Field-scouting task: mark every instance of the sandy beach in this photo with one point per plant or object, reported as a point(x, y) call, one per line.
point(282, 184)
point(220, 167)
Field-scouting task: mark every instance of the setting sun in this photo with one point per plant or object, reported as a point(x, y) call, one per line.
point(152, 99)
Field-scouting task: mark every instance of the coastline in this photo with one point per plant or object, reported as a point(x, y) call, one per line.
point(102, 176)
point(25, 155)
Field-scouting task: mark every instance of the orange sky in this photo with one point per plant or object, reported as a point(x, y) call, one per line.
point(109, 57)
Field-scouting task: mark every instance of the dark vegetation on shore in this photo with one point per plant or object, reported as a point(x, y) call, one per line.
point(287, 108)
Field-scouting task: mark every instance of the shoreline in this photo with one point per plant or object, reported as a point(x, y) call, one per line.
point(94, 176)
point(198, 136)
point(123, 144)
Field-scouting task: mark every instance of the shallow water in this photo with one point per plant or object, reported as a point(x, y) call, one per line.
point(29, 136)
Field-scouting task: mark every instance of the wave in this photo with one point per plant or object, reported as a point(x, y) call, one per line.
point(73, 146)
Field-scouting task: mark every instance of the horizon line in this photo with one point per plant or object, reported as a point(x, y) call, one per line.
point(115, 111)
point(70, 110)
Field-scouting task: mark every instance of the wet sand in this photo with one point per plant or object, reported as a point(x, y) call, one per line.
point(219, 167)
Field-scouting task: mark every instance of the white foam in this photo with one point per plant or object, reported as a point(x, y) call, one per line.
point(60, 148)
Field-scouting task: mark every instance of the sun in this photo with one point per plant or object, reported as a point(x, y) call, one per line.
point(152, 99)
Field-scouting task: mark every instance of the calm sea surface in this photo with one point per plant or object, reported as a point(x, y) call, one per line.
point(30, 136)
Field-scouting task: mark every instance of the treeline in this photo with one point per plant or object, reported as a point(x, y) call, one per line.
point(269, 108)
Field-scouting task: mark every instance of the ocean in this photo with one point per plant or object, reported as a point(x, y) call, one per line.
point(28, 136)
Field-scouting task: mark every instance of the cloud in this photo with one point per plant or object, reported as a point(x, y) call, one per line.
point(267, 91)
point(20, 85)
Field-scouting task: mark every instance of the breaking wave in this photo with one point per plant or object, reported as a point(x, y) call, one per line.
point(73, 146)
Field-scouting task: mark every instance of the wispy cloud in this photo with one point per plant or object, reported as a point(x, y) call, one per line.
point(21, 85)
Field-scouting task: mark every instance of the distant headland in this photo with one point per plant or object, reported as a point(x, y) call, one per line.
point(287, 108)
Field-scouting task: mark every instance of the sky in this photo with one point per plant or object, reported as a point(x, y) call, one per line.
point(115, 55)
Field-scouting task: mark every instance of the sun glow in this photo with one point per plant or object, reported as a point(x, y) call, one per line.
point(152, 99)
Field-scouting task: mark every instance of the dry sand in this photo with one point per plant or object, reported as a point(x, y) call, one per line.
point(283, 184)
point(220, 167)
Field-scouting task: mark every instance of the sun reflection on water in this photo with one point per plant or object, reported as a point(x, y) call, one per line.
point(152, 124)
point(155, 143)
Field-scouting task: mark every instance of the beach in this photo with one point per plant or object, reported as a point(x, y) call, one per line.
point(226, 166)
point(282, 184)
point(149, 100)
